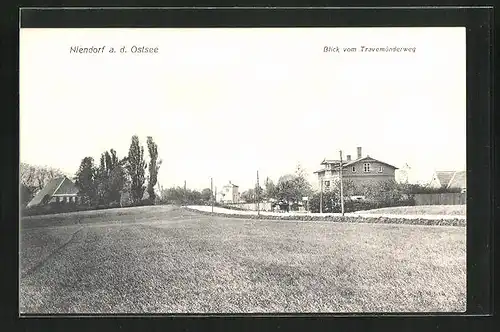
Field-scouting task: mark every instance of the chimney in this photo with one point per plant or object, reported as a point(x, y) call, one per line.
point(359, 152)
point(348, 157)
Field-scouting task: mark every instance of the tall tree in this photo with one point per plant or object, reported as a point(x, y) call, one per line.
point(249, 196)
point(270, 190)
point(86, 177)
point(206, 195)
point(286, 189)
point(154, 166)
point(259, 192)
point(110, 177)
point(136, 167)
point(292, 187)
point(301, 181)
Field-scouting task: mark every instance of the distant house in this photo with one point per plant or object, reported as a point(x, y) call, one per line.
point(60, 189)
point(449, 180)
point(229, 193)
point(362, 170)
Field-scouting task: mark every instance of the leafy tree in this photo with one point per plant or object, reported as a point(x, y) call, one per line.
point(116, 183)
point(193, 197)
point(249, 196)
point(330, 201)
point(302, 184)
point(291, 188)
point(349, 188)
point(36, 177)
point(136, 167)
point(259, 193)
point(287, 189)
point(270, 189)
point(110, 178)
point(154, 166)
point(181, 196)
point(86, 177)
point(206, 195)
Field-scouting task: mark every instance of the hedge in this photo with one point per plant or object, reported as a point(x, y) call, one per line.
point(55, 208)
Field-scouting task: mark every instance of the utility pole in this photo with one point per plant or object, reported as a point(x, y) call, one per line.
point(341, 186)
point(212, 193)
point(184, 193)
point(321, 196)
point(257, 190)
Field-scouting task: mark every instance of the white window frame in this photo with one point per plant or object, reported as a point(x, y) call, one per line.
point(367, 167)
point(380, 169)
point(327, 183)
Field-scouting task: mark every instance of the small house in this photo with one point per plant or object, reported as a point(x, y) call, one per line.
point(57, 190)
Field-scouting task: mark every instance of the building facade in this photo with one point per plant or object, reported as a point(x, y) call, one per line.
point(361, 171)
point(58, 190)
point(229, 193)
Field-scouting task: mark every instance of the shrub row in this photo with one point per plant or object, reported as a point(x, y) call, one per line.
point(349, 219)
point(55, 208)
point(353, 206)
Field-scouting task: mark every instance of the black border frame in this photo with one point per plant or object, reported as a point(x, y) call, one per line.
point(479, 24)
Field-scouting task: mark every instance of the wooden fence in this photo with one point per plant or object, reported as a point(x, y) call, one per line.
point(441, 199)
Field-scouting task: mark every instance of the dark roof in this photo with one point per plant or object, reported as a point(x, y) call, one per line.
point(62, 185)
point(444, 177)
point(459, 180)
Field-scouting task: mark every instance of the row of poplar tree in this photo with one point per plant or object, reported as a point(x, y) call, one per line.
point(107, 182)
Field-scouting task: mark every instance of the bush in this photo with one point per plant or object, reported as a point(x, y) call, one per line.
point(54, 208)
point(353, 206)
point(377, 194)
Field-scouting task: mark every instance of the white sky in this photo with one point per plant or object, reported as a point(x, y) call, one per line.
point(228, 102)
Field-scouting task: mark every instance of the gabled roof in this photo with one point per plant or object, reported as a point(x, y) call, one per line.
point(352, 162)
point(367, 158)
point(444, 177)
point(57, 186)
point(458, 180)
point(67, 187)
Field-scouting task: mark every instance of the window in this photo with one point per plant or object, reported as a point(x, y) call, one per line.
point(327, 184)
point(366, 167)
point(354, 168)
point(380, 169)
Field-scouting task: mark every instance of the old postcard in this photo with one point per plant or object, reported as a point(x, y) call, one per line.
point(243, 170)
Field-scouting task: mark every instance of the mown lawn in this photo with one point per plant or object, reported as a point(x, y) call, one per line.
point(164, 260)
point(455, 210)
